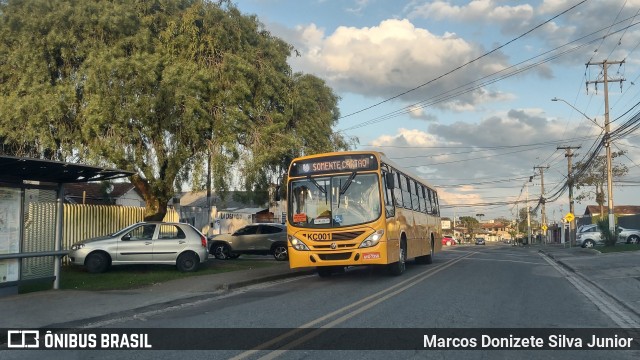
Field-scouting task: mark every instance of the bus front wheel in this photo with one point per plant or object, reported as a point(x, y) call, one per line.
point(327, 271)
point(398, 267)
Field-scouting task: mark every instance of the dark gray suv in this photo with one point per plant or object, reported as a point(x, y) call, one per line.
point(258, 239)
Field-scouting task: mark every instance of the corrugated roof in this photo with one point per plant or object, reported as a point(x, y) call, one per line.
point(18, 170)
point(95, 193)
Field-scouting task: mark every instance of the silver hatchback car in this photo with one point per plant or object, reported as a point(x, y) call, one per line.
point(169, 243)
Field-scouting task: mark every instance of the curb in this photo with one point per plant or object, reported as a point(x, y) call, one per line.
point(240, 284)
point(559, 262)
point(585, 278)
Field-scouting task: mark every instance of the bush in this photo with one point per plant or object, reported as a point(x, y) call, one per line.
point(608, 237)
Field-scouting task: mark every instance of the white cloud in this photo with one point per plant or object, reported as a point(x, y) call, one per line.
point(392, 57)
point(360, 5)
point(500, 147)
point(487, 10)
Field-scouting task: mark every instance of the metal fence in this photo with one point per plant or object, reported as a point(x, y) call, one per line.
point(86, 221)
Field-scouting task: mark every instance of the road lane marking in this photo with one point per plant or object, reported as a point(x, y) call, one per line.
point(142, 316)
point(381, 296)
point(506, 260)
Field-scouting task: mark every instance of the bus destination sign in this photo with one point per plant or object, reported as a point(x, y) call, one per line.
point(334, 164)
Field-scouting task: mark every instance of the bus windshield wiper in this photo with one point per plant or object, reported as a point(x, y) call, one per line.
point(322, 190)
point(346, 185)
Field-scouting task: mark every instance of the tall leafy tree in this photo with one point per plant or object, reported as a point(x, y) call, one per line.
point(594, 176)
point(157, 87)
point(471, 224)
point(310, 110)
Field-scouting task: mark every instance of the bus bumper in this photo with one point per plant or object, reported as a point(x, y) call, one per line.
point(375, 255)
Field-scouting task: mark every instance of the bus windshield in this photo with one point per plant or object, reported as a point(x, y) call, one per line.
point(334, 201)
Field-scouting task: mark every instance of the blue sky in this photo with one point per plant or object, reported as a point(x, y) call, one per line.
point(485, 71)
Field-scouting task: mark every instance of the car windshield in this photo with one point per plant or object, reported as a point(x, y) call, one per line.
point(123, 231)
point(335, 201)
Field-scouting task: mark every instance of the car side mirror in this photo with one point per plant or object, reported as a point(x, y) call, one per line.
point(127, 237)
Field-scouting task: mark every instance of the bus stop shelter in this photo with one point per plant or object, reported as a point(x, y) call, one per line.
point(31, 217)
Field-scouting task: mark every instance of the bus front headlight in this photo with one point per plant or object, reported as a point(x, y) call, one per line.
point(372, 240)
point(298, 244)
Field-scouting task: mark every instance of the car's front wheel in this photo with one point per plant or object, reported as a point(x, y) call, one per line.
point(633, 239)
point(280, 252)
point(220, 251)
point(187, 262)
point(588, 244)
point(97, 262)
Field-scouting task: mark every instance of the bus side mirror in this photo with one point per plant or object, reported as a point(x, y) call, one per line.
point(277, 195)
point(389, 178)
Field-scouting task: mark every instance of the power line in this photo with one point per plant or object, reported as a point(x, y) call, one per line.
point(463, 89)
point(467, 63)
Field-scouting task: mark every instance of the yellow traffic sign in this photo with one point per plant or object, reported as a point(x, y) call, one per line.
point(544, 227)
point(569, 217)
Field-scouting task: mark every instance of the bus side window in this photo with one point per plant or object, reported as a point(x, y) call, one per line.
point(430, 201)
point(397, 191)
point(432, 197)
point(423, 200)
point(390, 209)
point(436, 208)
point(406, 194)
point(414, 196)
point(418, 203)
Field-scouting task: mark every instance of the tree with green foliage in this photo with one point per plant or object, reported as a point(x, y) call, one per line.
point(156, 87)
point(594, 174)
point(471, 224)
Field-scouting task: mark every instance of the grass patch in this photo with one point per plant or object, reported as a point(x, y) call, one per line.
point(124, 277)
point(619, 248)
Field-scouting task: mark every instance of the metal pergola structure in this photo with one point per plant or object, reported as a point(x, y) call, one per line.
point(19, 174)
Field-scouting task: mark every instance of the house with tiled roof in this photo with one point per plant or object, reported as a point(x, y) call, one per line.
point(620, 210)
point(228, 213)
point(103, 193)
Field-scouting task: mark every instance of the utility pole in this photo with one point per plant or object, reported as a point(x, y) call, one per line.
point(572, 223)
point(607, 142)
point(528, 216)
point(542, 201)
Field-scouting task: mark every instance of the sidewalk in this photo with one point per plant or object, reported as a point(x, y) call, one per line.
point(66, 308)
point(617, 274)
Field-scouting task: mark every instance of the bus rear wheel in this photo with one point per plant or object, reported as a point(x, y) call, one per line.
point(426, 259)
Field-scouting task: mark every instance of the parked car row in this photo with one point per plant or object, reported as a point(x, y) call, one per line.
point(588, 236)
point(178, 244)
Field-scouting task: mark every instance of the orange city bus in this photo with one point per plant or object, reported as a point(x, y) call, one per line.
point(358, 208)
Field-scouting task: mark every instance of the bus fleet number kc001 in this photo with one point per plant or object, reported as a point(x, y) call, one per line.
point(319, 236)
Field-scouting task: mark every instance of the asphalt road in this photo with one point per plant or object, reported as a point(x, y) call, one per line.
point(477, 287)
